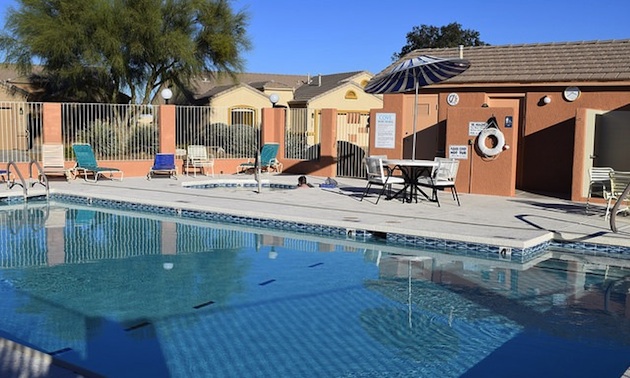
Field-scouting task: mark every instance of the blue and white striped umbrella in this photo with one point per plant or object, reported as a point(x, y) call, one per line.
point(416, 72)
point(413, 73)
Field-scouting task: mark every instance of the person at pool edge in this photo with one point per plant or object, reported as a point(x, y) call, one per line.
point(302, 183)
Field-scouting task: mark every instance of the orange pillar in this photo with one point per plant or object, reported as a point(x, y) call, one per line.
point(328, 143)
point(167, 128)
point(579, 152)
point(272, 129)
point(393, 105)
point(51, 123)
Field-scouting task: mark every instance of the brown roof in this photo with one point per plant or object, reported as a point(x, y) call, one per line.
point(321, 84)
point(204, 85)
point(590, 61)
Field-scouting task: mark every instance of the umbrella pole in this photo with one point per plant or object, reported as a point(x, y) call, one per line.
point(415, 115)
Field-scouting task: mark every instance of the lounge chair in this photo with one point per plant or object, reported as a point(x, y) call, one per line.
point(53, 161)
point(197, 158)
point(163, 164)
point(443, 176)
point(376, 176)
point(268, 160)
point(87, 164)
point(4, 176)
point(599, 178)
point(618, 183)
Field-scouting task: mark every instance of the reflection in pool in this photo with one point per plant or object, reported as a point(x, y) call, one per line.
point(131, 294)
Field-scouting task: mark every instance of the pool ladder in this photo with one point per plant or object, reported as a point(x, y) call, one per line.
point(14, 177)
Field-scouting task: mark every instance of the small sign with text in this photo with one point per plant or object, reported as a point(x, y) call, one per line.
point(458, 152)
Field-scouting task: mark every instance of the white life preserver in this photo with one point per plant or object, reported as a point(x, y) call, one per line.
point(485, 134)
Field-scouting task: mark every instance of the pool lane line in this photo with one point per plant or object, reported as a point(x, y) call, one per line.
point(266, 282)
point(136, 326)
point(317, 264)
point(60, 351)
point(201, 305)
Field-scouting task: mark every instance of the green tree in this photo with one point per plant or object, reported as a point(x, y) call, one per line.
point(427, 36)
point(92, 50)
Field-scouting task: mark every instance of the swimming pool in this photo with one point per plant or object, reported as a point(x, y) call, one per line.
point(130, 294)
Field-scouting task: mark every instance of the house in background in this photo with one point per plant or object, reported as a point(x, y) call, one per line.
point(344, 92)
point(563, 108)
point(241, 101)
point(250, 92)
point(15, 117)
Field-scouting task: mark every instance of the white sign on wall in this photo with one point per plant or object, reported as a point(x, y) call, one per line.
point(474, 128)
point(385, 133)
point(458, 152)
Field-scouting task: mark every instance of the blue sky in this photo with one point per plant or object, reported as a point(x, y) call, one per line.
point(325, 36)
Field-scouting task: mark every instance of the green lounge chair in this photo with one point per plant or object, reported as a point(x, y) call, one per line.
point(268, 160)
point(87, 164)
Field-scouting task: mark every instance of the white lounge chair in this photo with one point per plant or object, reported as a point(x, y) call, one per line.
point(53, 161)
point(443, 176)
point(618, 183)
point(600, 177)
point(376, 176)
point(197, 158)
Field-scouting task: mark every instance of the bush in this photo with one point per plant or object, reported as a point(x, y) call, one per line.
point(104, 139)
point(143, 141)
point(238, 141)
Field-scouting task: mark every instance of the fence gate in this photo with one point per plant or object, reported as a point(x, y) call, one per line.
point(352, 143)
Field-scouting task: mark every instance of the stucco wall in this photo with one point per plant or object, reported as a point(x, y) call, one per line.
point(336, 99)
point(480, 174)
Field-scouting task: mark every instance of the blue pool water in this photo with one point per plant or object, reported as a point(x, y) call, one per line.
point(131, 294)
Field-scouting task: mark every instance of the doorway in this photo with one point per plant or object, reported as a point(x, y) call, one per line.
point(427, 130)
point(516, 103)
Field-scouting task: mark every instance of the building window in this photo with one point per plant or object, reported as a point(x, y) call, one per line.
point(243, 115)
point(351, 95)
point(364, 83)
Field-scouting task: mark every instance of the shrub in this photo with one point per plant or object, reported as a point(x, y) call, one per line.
point(143, 141)
point(103, 137)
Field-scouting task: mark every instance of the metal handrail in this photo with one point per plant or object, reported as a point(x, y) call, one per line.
point(615, 209)
point(42, 179)
point(12, 183)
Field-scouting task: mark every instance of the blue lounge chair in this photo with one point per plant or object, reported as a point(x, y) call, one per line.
point(268, 160)
point(163, 164)
point(87, 164)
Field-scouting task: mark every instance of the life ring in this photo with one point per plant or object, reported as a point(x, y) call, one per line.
point(485, 134)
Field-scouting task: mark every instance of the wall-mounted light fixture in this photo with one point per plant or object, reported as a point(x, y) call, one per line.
point(546, 100)
point(484, 105)
point(21, 111)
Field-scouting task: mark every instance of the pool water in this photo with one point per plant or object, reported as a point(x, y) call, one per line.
point(129, 295)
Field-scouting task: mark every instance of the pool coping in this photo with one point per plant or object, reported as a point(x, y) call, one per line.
point(515, 250)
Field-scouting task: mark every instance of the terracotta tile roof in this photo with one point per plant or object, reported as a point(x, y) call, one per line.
point(590, 61)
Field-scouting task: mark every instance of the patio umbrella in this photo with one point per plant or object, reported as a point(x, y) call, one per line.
point(413, 73)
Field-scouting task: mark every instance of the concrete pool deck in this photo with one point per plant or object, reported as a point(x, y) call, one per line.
point(521, 221)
